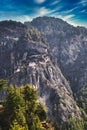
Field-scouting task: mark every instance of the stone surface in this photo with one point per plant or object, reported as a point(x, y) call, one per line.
point(69, 47)
point(25, 57)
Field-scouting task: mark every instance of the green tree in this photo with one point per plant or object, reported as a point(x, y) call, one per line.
point(14, 108)
point(41, 112)
point(3, 86)
point(30, 97)
point(34, 123)
point(22, 110)
point(16, 126)
point(74, 124)
point(82, 99)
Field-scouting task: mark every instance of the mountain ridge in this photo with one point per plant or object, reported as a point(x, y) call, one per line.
point(27, 59)
point(69, 47)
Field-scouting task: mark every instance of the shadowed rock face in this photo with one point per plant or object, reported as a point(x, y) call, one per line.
point(69, 47)
point(25, 58)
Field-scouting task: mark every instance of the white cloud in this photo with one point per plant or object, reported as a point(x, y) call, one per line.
point(68, 17)
point(55, 2)
point(69, 11)
point(72, 23)
point(40, 1)
point(43, 11)
point(39, 12)
point(61, 16)
point(83, 2)
point(23, 18)
point(83, 11)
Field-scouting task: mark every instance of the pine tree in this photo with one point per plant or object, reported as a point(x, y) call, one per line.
point(16, 126)
point(30, 96)
point(14, 108)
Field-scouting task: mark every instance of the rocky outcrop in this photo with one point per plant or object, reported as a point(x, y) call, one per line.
point(25, 58)
point(69, 47)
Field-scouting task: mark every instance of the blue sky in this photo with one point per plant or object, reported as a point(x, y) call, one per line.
point(72, 11)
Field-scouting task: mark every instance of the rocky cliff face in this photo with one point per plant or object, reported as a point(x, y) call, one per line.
point(25, 58)
point(69, 48)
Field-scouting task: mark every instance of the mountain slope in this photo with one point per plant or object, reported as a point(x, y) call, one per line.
point(69, 47)
point(25, 58)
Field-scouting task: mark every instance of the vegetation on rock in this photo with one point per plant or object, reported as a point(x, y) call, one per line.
point(21, 110)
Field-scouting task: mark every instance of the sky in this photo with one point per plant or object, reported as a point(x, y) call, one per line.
point(72, 11)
